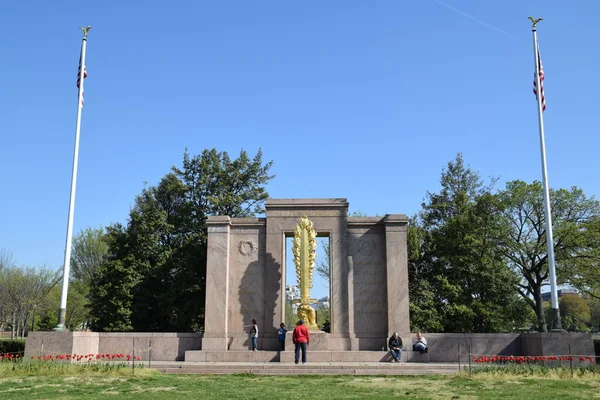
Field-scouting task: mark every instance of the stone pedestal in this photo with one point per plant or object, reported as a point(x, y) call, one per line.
point(39, 343)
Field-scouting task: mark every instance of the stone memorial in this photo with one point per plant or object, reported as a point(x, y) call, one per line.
point(368, 293)
point(246, 276)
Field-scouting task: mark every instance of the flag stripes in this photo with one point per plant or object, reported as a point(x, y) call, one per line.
point(79, 78)
point(541, 69)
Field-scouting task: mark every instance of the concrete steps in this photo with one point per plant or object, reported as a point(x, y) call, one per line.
point(344, 356)
point(308, 369)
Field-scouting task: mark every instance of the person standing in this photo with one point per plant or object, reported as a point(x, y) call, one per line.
point(301, 339)
point(282, 332)
point(395, 345)
point(254, 334)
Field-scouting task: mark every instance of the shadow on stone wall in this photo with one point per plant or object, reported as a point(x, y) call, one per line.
point(186, 341)
point(259, 292)
point(251, 297)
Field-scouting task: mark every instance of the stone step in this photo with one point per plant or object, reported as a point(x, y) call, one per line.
point(231, 356)
point(288, 356)
point(308, 369)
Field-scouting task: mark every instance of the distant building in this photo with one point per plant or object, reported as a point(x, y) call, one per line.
point(292, 292)
point(323, 304)
point(560, 293)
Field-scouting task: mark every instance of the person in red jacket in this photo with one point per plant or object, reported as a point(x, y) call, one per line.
point(301, 339)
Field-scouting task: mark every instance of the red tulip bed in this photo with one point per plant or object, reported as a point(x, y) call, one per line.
point(528, 359)
point(536, 365)
point(66, 363)
point(10, 357)
point(87, 357)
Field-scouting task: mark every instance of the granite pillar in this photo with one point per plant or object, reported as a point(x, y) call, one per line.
point(396, 226)
point(217, 284)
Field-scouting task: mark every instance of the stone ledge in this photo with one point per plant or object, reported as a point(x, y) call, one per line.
point(231, 356)
point(416, 356)
point(338, 356)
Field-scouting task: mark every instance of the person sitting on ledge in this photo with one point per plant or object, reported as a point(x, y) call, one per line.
point(395, 345)
point(420, 343)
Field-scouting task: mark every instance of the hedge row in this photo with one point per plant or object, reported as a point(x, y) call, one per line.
point(12, 346)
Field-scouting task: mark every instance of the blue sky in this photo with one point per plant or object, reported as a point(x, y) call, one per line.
point(366, 100)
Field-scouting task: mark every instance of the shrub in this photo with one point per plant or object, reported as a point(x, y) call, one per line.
point(12, 346)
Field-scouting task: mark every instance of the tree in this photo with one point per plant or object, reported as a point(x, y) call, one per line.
point(22, 290)
point(575, 313)
point(474, 289)
point(111, 296)
point(290, 316)
point(45, 318)
point(594, 306)
point(322, 267)
point(89, 253)
point(160, 256)
point(579, 251)
point(424, 311)
point(324, 320)
point(576, 236)
point(6, 261)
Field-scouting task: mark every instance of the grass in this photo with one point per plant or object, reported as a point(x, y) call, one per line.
point(41, 369)
point(150, 384)
point(538, 371)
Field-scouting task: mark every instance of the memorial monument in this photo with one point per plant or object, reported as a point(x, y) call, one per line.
point(246, 278)
point(246, 275)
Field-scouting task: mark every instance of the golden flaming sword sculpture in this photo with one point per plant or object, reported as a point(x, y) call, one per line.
point(304, 250)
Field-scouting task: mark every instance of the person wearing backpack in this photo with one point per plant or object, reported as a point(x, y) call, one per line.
point(254, 334)
point(282, 331)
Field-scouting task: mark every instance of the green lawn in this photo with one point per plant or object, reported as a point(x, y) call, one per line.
point(153, 385)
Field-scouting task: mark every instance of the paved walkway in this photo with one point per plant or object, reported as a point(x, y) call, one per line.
point(330, 368)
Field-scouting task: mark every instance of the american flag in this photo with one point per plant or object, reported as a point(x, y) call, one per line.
point(79, 78)
point(539, 60)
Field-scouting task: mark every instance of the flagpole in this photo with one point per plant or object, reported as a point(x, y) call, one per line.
point(556, 324)
point(62, 312)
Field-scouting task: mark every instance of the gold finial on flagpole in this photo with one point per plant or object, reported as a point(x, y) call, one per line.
point(534, 21)
point(85, 30)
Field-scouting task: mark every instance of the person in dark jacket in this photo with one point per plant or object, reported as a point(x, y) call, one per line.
point(282, 331)
point(254, 335)
point(395, 345)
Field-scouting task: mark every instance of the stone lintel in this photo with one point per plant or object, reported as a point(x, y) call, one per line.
point(310, 207)
point(306, 203)
point(361, 222)
point(248, 222)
